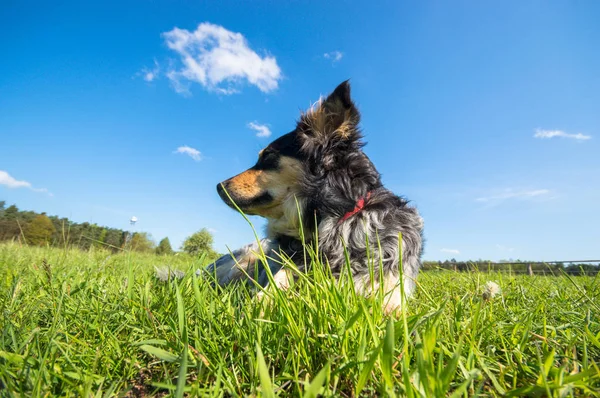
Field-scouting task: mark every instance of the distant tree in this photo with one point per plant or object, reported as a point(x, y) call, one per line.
point(199, 243)
point(27, 216)
point(9, 230)
point(102, 237)
point(63, 234)
point(11, 212)
point(81, 233)
point(57, 237)
point(164, 247)
point(114, 239)
point(14, 223)
point(142, 242)
point(39, 231)
point(92, 236)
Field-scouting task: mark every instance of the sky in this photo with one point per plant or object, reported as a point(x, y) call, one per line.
point(485, 115)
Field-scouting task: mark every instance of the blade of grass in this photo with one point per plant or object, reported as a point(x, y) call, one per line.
point(263, 373)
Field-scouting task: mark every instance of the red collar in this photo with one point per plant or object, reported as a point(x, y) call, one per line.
point(360, 204)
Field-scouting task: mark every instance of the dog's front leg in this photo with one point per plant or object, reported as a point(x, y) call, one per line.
point(392, 300)
point(240, 264)
point(281, 280)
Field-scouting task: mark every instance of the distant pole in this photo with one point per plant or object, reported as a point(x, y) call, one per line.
point(529, 269)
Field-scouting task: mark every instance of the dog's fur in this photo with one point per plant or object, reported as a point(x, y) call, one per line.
point(320, 169)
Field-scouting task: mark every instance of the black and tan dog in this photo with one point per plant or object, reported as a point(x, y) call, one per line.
point(318, 176)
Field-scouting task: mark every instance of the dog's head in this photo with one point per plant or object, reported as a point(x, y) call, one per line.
point(305, 166)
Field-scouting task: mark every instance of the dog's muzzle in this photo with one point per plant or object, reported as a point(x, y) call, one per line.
point(222, 193)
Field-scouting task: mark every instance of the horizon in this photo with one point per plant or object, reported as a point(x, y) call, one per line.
point(483, 116)
point(179, 249)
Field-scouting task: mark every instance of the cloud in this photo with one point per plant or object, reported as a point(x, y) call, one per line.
point(334, 56)
point(150, 75)
point(191, 152)
point(261, 129)
point(512, 194)
point(450, 251)
point(219, 60)
point(540, 133)
point(10, 182)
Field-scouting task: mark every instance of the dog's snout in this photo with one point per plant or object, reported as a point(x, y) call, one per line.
point(221, 190)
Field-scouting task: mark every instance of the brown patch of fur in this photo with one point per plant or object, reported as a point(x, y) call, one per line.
point(247, 184)
point(331, 120)
point(314, 118)
point(281, 183)
point(347, 126)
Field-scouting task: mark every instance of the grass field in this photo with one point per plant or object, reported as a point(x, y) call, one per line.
point(92, 323)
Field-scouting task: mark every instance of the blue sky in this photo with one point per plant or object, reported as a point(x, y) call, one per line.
point(486, 116)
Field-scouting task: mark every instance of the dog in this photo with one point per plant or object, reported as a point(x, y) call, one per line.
point(317, 180)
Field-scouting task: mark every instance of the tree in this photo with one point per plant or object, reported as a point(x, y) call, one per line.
point(39, 231)
point(199, 243)
point(9, 230)
point(142, 242)
point(164, 247)
point(114, 239)
point(14, 223)
point(11, 212)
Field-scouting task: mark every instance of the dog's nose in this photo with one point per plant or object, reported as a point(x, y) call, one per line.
point(221, 190)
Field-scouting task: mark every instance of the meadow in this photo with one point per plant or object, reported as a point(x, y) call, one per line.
point(94, 323)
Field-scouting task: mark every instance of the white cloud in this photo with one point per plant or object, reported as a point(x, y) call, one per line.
point(191, 152)
point(219, 60)
point(512, 194)
point(10, 182)
point(540, 133)
point(334, 56)
point(262, 130)
point(450, 251)
point(150, 75)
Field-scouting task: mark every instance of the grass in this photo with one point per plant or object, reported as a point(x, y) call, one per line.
point(76, 323)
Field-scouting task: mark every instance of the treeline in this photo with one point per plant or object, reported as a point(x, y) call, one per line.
point(517, 266)
point(39, 229)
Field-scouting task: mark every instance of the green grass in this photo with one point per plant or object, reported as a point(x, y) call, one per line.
point(92, 323)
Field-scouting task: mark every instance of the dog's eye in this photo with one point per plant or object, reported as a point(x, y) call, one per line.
point(268, 159)
point(268, 155)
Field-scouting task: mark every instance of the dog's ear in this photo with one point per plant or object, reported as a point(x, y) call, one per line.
point(341, 96)
point(333, 119)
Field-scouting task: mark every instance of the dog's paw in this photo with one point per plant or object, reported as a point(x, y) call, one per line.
point(165, 273)
point(392, 304)
point(264, 297)
point(239, 264)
